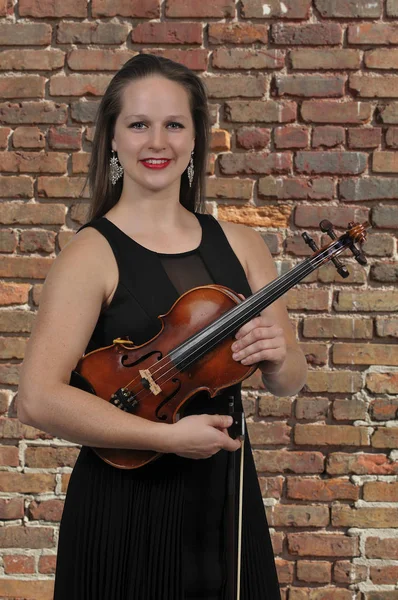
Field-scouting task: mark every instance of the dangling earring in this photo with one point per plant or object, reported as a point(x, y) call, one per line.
point(116, 169)
point(190, 170)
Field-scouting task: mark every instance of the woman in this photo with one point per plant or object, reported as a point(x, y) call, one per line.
point(154, 533)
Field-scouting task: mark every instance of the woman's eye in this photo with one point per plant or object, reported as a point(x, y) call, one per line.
point(135, 125)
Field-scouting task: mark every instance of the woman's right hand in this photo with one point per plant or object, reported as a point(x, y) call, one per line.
point(202, 436)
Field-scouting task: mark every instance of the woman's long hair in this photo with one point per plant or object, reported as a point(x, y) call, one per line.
point(103, 194)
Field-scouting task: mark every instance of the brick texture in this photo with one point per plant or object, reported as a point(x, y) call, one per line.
point(304, 110)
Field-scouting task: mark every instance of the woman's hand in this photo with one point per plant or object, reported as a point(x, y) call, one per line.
point(258, 341)
point(201, 436)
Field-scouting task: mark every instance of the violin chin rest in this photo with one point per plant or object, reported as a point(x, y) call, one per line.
point(80, 382)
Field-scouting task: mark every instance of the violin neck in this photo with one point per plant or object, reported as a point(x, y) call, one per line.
point(226, 325)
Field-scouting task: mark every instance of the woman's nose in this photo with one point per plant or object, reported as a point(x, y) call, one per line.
point(157, 138)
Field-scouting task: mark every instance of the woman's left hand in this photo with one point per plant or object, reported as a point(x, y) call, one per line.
point(259, 340)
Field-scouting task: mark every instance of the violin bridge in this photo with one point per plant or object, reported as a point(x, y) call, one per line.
point(153, 386)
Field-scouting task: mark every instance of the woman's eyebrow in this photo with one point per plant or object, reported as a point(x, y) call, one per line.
point(148, 119)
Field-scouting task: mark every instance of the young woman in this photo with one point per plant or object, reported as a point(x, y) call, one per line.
point(157, 532)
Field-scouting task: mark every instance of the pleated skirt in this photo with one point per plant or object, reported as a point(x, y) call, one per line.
point(123, 533)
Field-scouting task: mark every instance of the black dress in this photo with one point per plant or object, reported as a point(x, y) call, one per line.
point(156, 533)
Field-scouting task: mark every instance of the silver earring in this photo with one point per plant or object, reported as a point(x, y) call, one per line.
point(190, 170)
point(116, 169)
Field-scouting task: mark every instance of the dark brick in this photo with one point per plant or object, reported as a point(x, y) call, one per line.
point(328, 136)
point(312, 34)
point(344, 163)
point(349, 8)
point(312, 86)
point(369, 188)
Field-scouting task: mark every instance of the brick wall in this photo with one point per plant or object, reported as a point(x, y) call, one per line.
point(304, 104)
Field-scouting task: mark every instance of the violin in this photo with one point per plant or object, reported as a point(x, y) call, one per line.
point(192, 351)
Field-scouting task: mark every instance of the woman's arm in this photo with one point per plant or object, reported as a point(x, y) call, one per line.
point(269, 339)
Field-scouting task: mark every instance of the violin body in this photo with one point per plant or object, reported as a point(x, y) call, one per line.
point(120, 365)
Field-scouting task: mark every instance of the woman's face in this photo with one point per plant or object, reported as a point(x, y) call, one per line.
point(155, 123)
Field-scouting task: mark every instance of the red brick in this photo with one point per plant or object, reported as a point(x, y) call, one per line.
point(309, 299)
point(314, 571)
point(346, 572)
point(35, 60)
point(384, 409)
point(311, 34)
point(125, 8)
point(385, 437)
point(17, 563)
point(22, 86)
point(80, 162)
point(271, 487)
point(329, 593)
point(381, 58)
point(384, 575)
point(26, 537)
point(47, 563)
point(344, 163)
point(290, 515)
point(322, 544)
point(232, 86)
point(28, 137)
point(61, 187)
point(392, 137)
point(11, 508)
point(242, 58)
point(380, 491)
point(285, 570)
point(385, 217)
point(47, 510)
point(340, 216)
point(374, 86)
point(327, 381)
point(4, 135)
point(290, 9)
point(276, 461)
point(269, 433)
point(312, 409)
point(267, 216)
point(16, 187)
point(206, 8)
point(33, 162)
point(255, 163)
point(53, 8)
point(381, 548)
point(385, 162)
point(12, 213)
point(366, 517)
point(78, 85)
point(365, 137)
point(25, 34)
point(237, 33)
point(33, 112)
point(349, 9)
point(330, 435)
point(11, 348)
point(325, 59)
point(96, 59)
point(27, 483)
point(321, 490)
point(65, 138)
point(340, 463)
point(30, 267)
point(291, 137)
point(287, 188)
point(349, 410)
point(195, 59)
point(331, 111)
point(270, 406)
point(25, 589)
point(367, 301)
point(229, 188)
point(253, 138)
point(69, 32)
point(365, 354)
point(167, 33)
point(255, 111)
point(328, 136)
point(373, 33)
point(8, 455)
point(34, 241)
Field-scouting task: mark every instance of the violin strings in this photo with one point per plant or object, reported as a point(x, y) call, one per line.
point(306, 266)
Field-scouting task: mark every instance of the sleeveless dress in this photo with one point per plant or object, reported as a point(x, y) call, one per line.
point(157, 532)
